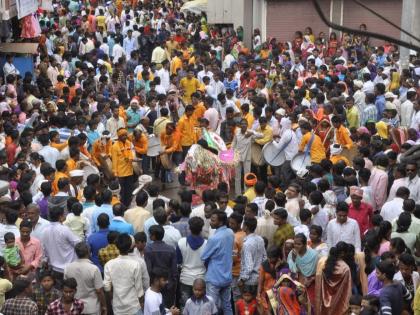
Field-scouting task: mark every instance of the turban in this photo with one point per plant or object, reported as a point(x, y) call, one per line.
point(250, 179)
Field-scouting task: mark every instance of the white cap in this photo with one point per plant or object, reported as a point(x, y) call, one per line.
point(77, 173)
point(390, 95)
point(358, 84)
point(281, 111)
point(143, 180)
point(412, 90)
point(390, 105)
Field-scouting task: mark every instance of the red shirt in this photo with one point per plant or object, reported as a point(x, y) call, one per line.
point(363, 216)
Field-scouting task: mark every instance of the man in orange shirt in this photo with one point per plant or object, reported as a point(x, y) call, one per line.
point(61, 172)
point(101, 150)
point(170, 143)
point(122, 165)
point(140, 142)
point(199, 108)
point(187, 133)
point(341, 133)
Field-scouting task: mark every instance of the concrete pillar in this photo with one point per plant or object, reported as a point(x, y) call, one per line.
point(247, 22)
point(411, 23)
point(336, 13)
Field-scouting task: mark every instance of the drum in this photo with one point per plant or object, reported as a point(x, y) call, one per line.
point(272, 154)
point(350, 154)
point(300, 163)
point(256, 155)
point(153, 147)
point(106, 165)
point(89, 169)
point(137, 169)
point(166, 160)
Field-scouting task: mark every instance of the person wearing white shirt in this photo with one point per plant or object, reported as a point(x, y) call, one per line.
point(114, 123)
point(129, 44)
point(50, 154)
point(217, 85)
point(412, 181)
point(164, 75)
point(415, 120)
point(204, 73)
point(288, 142)
point(211, 114)
point(241, 143)
point(368, 85)
point(9, 67)
point(393, 208)
point(359, 96)
point(407, 108)
point(117, 51)
point(343, 228)
point(38, 223)
point(123, 277)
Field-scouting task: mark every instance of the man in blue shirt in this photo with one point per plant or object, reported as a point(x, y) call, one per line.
point(217, 257)
point(99, 239)
point(133, 115)
point(380, 100)
point(104, 208)
point(118, 223)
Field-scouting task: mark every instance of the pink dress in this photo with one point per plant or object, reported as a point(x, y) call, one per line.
point(383, 248)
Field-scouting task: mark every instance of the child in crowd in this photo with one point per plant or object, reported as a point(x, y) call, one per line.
point(44, 293)
point(78, 224)
point(12, 255)
point(355, 304)
point(67, 300)
point(199, 303)
point(248, 304)
point(153, 302)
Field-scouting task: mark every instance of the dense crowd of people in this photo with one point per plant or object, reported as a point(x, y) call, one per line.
point(297, 165)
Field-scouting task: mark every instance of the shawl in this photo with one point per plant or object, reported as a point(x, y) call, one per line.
point(332, 295)
point(306, 264)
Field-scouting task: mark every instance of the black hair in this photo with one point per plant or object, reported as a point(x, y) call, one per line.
point(403, 222)
point(77, 208)
point(254, 207)
point(55, 213)
point(221, 216)
point(140, 237)
point(185, 209)
point(302, 237)
point(196, 225)
point(9, 236)
point(251, 224)
point(141, 198)
point(158, 273)
point(399, 245)
point(103, 221)
point(157, 231)
point(317, 229)
point(123, 243)
point(112, 237)
point(387, 268)
point(281, 212)
point(70, 283)
point(336, 252)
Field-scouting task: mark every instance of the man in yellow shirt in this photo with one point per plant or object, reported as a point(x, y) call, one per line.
point(267, 133)
point(189, 85)
point(176, 62)
point(122, 165)
point(188, 135)
point(352, 113)
point(316, 148)
point(247, 115)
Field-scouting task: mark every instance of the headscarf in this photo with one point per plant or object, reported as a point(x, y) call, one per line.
point(363, 130)
point(382, 129)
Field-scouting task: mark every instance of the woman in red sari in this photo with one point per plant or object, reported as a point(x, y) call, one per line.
point(332, 44)
point(325, 132)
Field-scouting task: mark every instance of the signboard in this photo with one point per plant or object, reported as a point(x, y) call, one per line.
point(26, 7)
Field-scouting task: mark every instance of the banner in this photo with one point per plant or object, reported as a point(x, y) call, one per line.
point(26, 7)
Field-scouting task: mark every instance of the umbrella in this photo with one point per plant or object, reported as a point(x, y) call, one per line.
point(195, 6)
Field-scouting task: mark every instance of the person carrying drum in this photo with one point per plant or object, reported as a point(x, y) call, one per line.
point(101, 151)
point(267, 133)
point(170, 140)
point(311, 144)
point(122, 165)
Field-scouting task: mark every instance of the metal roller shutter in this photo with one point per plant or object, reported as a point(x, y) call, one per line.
point(355, 15)
point(284, 18)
